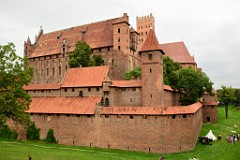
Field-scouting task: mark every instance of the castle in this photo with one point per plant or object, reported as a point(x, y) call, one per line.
point(94, 106)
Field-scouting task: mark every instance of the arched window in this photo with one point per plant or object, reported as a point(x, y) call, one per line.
point(106, 102)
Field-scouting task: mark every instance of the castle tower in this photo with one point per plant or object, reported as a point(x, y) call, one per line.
point(121, 34)
point(28, 48)
point(143, 26)
point(152, 72)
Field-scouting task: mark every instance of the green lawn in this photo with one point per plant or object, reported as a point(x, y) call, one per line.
point(220, 150)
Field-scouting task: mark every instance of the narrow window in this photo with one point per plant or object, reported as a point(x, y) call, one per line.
point(53, 70)
point(119, 39)
point(47, 72)
point(131, 117)
point(184, 116)
point(173, 116)
point(119, 30)
point(89, 89)
point(97, 89)
point(65, 90)
point(119, 47)
point(81, 93)
point(106, 116)
point(72, 89)
point(150, 70)
point(100, 50)
point(59, 70)
point(208, 119)
point(150, 56)
point(63, 49)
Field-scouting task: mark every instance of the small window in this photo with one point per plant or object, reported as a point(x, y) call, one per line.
point(119, 116)
point(119, 39)
point(78, 115)
point(208, 119)
point(100, 50)
point(63, 49)
point(89, 89)
point(58, 115)
point(150, 56)
point(108, 48)
point(67, 115)
point(97, 89)
point(81, 93)
point(119, 30)
point(173, 116)
point(119, 47)
point(184, 116)
point(150, 70)
point(73, 90)
point(131, 117)
point(106, 116)
point(65, 90)
point(144, 116)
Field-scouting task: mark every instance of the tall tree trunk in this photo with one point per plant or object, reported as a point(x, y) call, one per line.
point(226, 110)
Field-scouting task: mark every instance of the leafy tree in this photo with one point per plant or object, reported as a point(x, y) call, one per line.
point(33, 132)
point(226, 96)
point(14, 73)
point(237, 97)
point(169, 71)
point(50, 137)
point(7, 133)
point(81, 56)
point(191, 85)
point(97, 59)
point(135, 73)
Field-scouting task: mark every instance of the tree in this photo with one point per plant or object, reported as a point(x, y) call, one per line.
point(50, 137)
point(135, 73)
point(237, 97)
point(14, 74)
point(226, 96)
point(33, 132)
point(170, 69)
point(81, 56)
point(191, 85)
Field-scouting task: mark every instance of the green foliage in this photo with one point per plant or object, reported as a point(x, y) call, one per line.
point(135, 73)
point(33, 132)
point(81, 56)
point(14, 73)
point(226, 96)
point(50, 137)
point(170, 69)
point(191, 85)
point(97, 59)
point(7, 133)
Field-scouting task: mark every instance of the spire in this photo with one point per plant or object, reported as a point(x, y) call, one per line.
point(28, 40)
point(151, 43)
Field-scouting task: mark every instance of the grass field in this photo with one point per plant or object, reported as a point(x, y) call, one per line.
point(219, 150)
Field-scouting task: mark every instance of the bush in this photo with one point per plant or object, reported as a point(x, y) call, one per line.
point(50, 137)
point(33, 132)
point(7, 133)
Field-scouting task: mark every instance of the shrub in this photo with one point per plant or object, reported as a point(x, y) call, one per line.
point(50, 137)
point(33, 132)
point(7, 133)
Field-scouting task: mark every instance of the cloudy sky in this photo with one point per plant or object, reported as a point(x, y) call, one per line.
point(209, 28)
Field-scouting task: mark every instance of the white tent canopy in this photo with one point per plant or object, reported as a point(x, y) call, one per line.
point(211, 136)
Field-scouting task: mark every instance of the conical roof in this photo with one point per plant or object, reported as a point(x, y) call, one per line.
point(151, 43)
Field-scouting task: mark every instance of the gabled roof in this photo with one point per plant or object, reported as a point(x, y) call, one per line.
point(126, 83)
point(152, 110)
point(42, 86)
point(64, 105)
point(85, 76)
point(151, 43)
point(178, 52)
point(97, 35)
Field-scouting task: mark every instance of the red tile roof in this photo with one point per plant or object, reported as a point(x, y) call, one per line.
point(152, 110)
point(178, 52)
point(97, 35)
point(127, 83)
point(151, 43)
point(41, 86)
point(64, 105)
point(85, 76)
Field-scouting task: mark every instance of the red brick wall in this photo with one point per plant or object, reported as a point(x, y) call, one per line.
point(160, 134)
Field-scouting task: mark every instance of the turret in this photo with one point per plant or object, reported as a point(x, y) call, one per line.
point(28, 48)
point(152, 72)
